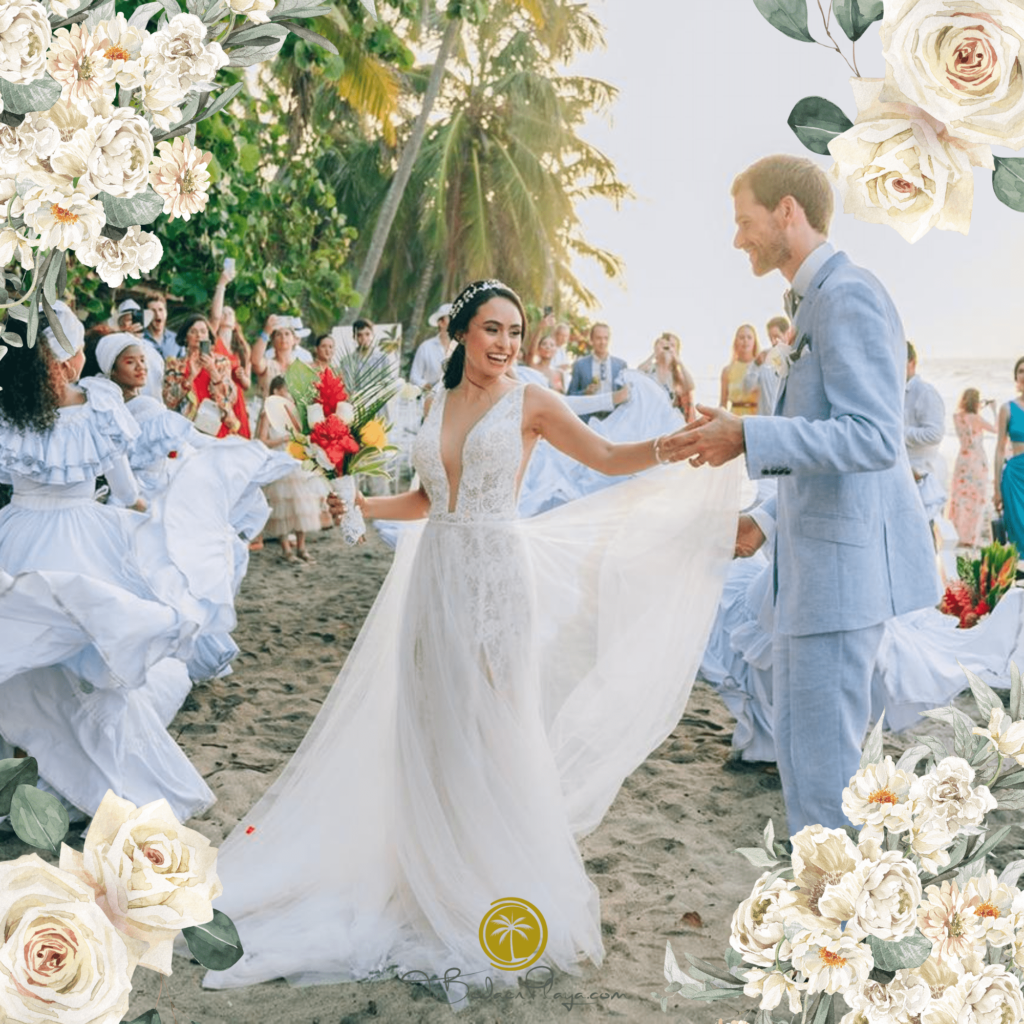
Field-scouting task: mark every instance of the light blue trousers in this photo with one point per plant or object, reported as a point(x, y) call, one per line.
point(822, 703)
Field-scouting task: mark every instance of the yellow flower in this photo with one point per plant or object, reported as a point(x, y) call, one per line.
point(297, 450)
point(372, 434)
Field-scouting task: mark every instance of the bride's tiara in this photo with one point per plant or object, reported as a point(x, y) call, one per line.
point(475, 289)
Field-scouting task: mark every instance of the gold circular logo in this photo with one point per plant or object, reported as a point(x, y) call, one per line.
point(513, 934)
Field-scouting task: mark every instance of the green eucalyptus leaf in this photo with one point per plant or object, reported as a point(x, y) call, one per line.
point(984, 696)
point(266, 34)
point(757, 857)
point(141, 209)
point(39, 818)
point(825, 1012)
point(993, 840)
point(215, 944)
point(15, 772)
point(171, 7)
point(221, 101)
point(100, 12)
point(149, 1017)
point(31, 323)
point(141, 15)
point(19, 312)
point(873, 746)
point(788, 16)
point(298, 9)
point(1008, 181)
point(23, 99)
point(246, 56)
point(855, 16)
point(310, 36)
point(52, 276)
point(54, 321)
point(1011, 873)
point(911, 756)
point(709, 972)
point(894, 956)
point(816, 121)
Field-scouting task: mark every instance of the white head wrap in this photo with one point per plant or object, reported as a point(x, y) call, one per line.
point(74, 330)
point(110, 346)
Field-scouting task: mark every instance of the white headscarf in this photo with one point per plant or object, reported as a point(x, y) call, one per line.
point(74, 331)
point(110, 346)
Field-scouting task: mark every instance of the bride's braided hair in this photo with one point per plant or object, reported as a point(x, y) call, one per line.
point(464, 308)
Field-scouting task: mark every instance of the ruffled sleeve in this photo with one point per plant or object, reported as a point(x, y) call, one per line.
point(161, 432)
point(86, 440)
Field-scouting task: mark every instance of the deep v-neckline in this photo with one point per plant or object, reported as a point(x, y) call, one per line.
point(453, 493)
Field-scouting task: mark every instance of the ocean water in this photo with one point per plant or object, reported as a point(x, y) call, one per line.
point(992, 377)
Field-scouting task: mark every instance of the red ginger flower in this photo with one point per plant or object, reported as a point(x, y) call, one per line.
point(335, 439)
point(330, 389)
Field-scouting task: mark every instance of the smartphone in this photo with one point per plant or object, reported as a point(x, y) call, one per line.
point(229, 264)
point(204, 347)
point(548, 310)
point(138, 317)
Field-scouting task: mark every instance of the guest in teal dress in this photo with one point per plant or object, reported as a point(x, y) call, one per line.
point(1009, 474)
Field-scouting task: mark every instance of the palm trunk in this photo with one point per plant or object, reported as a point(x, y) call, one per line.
point(389, 209)
point(411, 332)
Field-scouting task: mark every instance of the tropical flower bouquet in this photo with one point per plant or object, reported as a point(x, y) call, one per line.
point(982, 582)
point(902, 920)
point(343, 433)
point(73, 933)
point(97, 130)
point(952, 90)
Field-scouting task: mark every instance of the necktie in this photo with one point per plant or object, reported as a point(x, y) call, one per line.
point(791, 302)
point(604, 370)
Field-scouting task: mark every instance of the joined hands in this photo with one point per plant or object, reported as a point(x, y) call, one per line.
point(715, 438)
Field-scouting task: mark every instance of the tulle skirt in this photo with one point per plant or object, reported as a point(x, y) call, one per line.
point(508, 678)
point(295, 502)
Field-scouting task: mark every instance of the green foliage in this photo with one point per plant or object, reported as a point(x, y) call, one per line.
point(1008, 181)
point(788, 16)
point(816, 122)
point(15, 772)
point(855, 16)
point(215, 944)
point(39, 818)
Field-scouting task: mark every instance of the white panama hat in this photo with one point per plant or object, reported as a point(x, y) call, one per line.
point(126, 306)
point(445, 309)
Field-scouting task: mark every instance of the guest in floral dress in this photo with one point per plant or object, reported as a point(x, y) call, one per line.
point(970, 473)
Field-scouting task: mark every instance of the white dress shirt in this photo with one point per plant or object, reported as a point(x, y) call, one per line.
point(428, 363)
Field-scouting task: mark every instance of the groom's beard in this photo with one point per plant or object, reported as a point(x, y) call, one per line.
point(770, 255)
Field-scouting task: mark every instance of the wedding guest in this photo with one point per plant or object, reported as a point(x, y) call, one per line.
point(762, 373)
point(283, 345)
point(209, 374)
point(323, 353)
point(924, 416)
point(1009, 472)
point(131, 319)
point(543, 361)
point(369, 355)
point(970, 471)
point(428, 362)
point(665, 366)
point(157, 330)
point(598, 372)
point(294, 500)
point(738, 399)
point(562, 359)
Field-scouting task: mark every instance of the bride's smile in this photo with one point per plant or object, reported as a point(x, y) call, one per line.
point(492, 339)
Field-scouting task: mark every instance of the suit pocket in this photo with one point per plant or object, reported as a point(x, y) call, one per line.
point(837, 529)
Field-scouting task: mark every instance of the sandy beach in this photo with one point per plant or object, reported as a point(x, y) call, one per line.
point(663, 859)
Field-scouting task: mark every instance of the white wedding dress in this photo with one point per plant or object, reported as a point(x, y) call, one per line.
point(508, 677)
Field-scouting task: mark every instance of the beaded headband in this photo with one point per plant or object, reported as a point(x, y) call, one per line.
point(482, 286)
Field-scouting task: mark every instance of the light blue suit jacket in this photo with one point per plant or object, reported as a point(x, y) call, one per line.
point(583, 373)
point(852, 545)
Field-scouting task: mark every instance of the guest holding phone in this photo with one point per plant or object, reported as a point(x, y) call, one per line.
point(131, 318)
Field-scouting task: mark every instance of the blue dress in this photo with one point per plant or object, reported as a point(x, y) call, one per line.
point(1013, 482)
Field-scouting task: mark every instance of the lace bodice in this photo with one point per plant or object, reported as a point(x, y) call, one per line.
point(492, 456)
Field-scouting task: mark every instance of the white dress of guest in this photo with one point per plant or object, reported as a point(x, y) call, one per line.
point(924, 416)
point(428, 363)
point(82, 713)
point(486, 717)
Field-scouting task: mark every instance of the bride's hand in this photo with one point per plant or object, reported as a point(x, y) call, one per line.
point(338, 508)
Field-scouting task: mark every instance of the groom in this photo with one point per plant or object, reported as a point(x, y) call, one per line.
point(851, 542)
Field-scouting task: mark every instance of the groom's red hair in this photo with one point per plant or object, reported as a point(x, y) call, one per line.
point(774, 177)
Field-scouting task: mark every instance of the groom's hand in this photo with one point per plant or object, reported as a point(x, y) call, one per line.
point(748, 537)
point(716, 438)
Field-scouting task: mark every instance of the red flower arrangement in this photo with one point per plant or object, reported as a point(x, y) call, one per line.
point(335, 440)
point(330, 390)
point(982, 582)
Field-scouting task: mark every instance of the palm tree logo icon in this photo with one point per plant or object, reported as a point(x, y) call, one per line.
point(513, 933)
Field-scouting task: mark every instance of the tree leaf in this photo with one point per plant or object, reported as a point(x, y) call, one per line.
point(141, 15)
point(101, 12)
point(298, 9)
point(994, 839)
point(873, 747)
point(709, 972)
point(52, 275)
point(894, 956)
point(1012, 872)
point(23, 99)
point(816, 121)
point(149, 1017)
point(310, 36)
point(856, 15)
point(984, 696)
point(266, 34)
point(757, 857)
point(39, 818)
point(249, 157)
point(911, 756)
point(221, 101)
point(141, 209)
point(788, 16)
point(15, 772)
point(1016, 693)
point(215, 944)
point(54, 321)
point(1008, 181)
point(246, 56)
point(171, 7)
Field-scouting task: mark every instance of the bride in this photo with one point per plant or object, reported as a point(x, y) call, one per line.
point(509, 676)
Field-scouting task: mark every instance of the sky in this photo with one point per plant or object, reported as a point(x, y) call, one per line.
point(705, 88)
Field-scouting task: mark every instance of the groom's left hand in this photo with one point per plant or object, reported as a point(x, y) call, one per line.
point(716, 438)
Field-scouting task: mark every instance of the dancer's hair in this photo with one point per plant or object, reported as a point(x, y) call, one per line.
point(30, 397)
point(773, 178)
point(970, 400)
point(464, 308)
